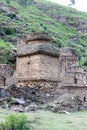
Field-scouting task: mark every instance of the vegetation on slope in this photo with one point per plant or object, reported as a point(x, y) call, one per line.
point(63, 24)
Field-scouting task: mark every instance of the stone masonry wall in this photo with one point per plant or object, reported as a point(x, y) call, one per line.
point(67, 78)
point(6, 70)
point(28, 68)
point(78, 90)
point(81, 78)
point(46, 69)
point(38, 67)
point(49, 68)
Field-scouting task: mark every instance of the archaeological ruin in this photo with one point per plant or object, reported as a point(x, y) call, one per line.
point(50, 71)
point(53, 71)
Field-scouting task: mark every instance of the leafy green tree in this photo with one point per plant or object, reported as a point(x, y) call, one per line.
point(8, 1)
point(72, 2)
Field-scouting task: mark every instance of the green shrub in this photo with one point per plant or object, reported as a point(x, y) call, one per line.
point(10, 30)
point(73, 23)
point(15, 122)
point(11, 59)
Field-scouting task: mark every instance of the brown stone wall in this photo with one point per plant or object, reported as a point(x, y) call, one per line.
point(67, 78)
point(38, 67)
point(12, 80)
point(80, 91)
point(81, 78)
point(6, 70)
point(28, 68)
point(74, 68)
point(63, 65)
point(71, 59)
point(49, 68)
point(66, 63)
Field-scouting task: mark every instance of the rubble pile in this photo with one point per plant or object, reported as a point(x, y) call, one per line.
point(67, 102)
point(24, 99)
point(21, 98)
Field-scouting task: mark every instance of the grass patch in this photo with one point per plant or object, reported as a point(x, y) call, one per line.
point(45, 120)
point(15, 121)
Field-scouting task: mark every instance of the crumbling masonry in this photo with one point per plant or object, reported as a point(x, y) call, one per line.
point(51, 71)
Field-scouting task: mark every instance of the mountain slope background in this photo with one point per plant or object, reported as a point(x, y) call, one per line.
point(67, 27)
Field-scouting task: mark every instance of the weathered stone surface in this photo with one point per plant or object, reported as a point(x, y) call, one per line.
point(67, 102)
point(38, 67)
point(42, 65)
point(35, 99)
point(38, 48)
point(67, 51)
point(6, 70)
point(6, 73)
point(38, 36)
point(18, 101)
point(32, 107)
point(17, 108)
point(3, 93)
point(40, 93)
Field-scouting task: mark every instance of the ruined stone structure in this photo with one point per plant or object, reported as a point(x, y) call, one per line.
point(51, 71)
point(6, 74)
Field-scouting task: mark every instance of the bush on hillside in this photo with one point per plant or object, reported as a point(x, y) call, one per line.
point(10, 30)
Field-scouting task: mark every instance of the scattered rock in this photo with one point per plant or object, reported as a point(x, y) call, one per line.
point(3, 93)
point(68, 103)
point(17, 108)
point(64, 112)
point(18, 101)
point(30, 99)
point(33, 107)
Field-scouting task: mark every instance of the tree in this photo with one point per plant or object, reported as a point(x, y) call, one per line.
point(72, 2)
point(8, 2)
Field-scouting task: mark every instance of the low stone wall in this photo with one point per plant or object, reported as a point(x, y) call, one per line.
point(80, 90)
point(81, 78)
point(67, 78)
point(6, 71)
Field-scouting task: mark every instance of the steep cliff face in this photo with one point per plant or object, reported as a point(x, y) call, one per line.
point(68, 27)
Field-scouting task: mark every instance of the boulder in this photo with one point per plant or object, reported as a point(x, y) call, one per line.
point(18, 101)
point(3, 93)
point(17, 108)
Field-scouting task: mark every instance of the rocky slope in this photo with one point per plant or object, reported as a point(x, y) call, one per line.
point(68, 27)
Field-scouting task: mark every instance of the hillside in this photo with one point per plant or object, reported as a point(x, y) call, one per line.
point(68, 27)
